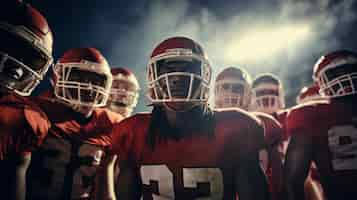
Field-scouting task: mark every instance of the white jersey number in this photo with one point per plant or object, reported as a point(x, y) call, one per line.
point(342, 142)
point(163, 177)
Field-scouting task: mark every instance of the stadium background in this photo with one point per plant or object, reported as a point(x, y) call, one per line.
point(284, 37)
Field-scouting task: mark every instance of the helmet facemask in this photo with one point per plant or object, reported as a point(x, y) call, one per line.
point(80, 87)
point(231, 93)
point(23, 61)
point(179, 76)
point(338, 81)
point(268, 98)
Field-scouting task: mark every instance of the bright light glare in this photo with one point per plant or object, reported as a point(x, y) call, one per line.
point(261, 42)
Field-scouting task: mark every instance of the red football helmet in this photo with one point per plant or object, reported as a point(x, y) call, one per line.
point(307, 94)
point(25, 49)
point(124, 93)
point(268, 94)
point(336, 73)
point(233, 88)
point(82, 78)
point(178, 71)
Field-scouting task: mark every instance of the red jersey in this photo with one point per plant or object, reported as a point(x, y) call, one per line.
point(332, 127)
point(64, 166)
point(272, 128)
point(281, 117)
point(273, 136)
point(23, 126)
point(198, 165)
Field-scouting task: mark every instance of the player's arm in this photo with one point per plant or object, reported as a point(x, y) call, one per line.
point(251, 182)
point(20, 165)
point(297, 165)
point(127, 181)
point(277, 169)
point(116, 180)
point(104, 187)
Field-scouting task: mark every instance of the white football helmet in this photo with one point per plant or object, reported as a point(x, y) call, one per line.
point(336, 73)
point(82, 78)
point(178, 71)
point(124, 93)
point(268, 94)
point(233, 88)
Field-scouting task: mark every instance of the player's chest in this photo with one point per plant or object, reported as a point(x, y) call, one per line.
point(192, 151)
point(65, 150)
point(63, 168)
point(162, 181)
point(192, 168)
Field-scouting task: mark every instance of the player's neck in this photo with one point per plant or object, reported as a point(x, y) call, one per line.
point(82, 118)
point(184, 120)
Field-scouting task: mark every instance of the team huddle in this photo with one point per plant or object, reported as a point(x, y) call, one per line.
point(79, 140)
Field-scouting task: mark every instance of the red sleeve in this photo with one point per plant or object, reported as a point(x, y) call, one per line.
point(23, 129)
point(272, 129)
point(246, 132)
point(39, 126)
point(121, 137)
point(300, 118)
point(255, 135)
point(309, 118)
point(281, 117)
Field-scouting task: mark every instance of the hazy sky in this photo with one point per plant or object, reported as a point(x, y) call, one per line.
point(284, 37)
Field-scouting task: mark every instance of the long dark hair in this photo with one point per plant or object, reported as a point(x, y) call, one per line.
point(202, 116)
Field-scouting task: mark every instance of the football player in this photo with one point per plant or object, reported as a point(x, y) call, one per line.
point(325, 131)
point(233, 89)
point(268, 97)
point(182, 149)
point(64, 166)
point(313, 188)
point(25, 56)
point(124, 93)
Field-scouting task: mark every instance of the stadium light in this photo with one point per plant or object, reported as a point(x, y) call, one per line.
point(261, 43)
